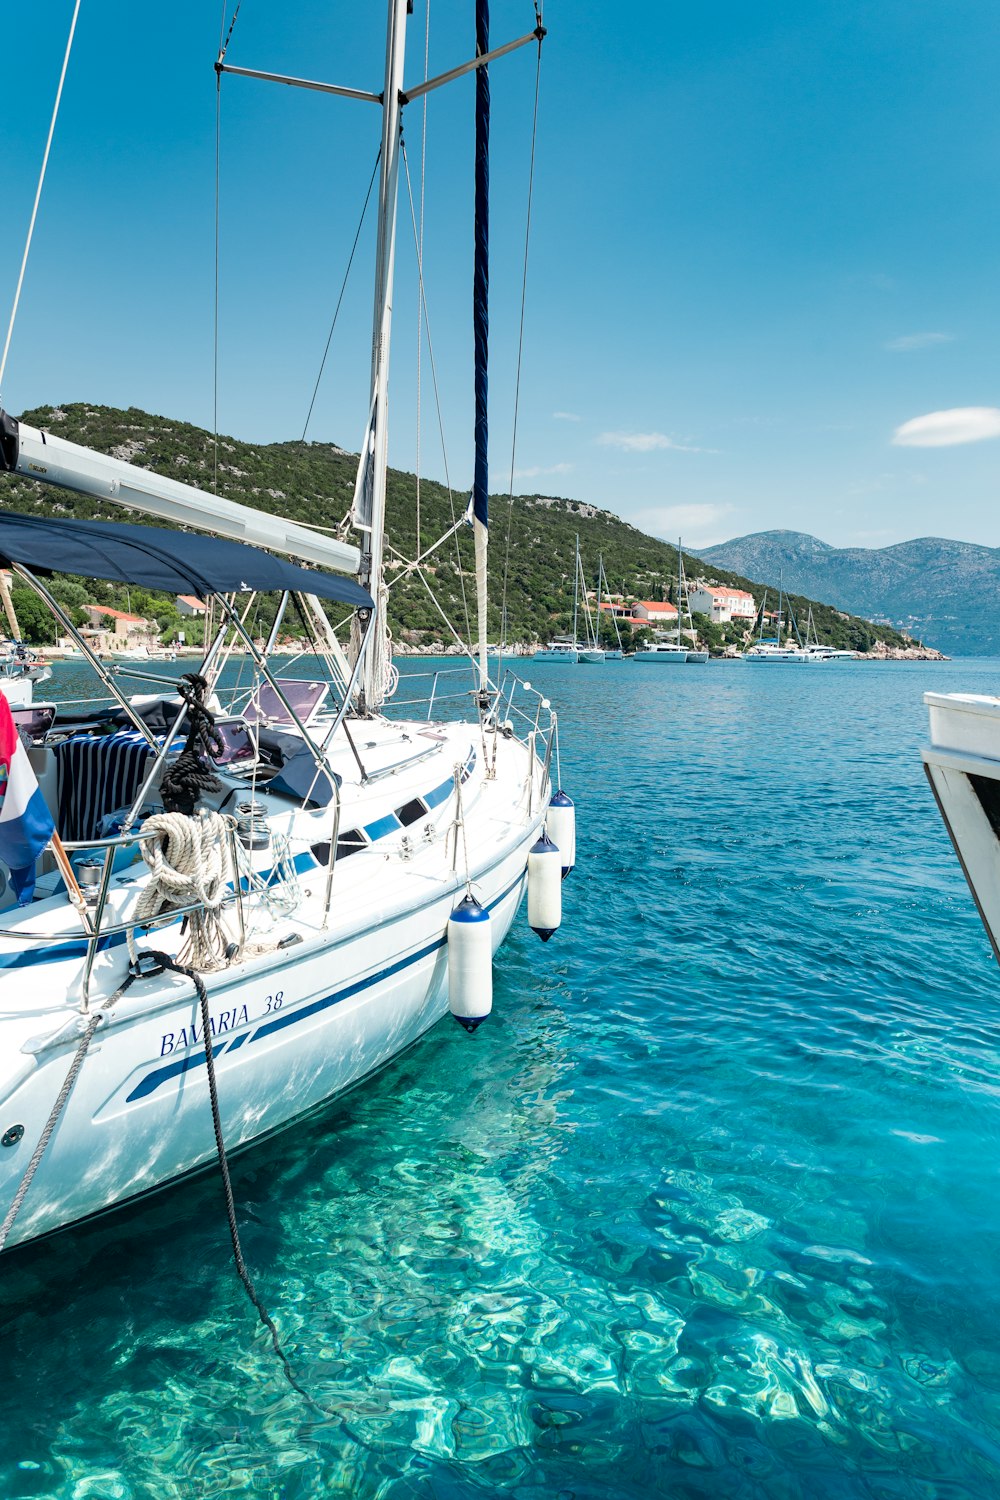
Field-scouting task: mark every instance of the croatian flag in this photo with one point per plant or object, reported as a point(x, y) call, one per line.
point(25, 823)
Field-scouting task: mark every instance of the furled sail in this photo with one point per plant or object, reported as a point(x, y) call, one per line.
point(481, 323)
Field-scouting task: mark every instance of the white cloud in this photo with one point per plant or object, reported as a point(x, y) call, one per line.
point(645, 442)
point(635, 442)
point(943, 429)
point(699, 525)
point(533, 473)
point(565, 416)
point(911, 341)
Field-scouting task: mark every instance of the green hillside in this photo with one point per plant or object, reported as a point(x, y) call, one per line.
point(314, 482)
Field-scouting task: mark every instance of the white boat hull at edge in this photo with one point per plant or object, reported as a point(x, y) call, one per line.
point(963, 768)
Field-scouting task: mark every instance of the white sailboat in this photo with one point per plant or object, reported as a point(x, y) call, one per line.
point(771, 651)
point(569, 650)
point(611, 653)
point(20, 667)
point(815, 646)
point(564, 650)
point(277, 912)
point(590, 652)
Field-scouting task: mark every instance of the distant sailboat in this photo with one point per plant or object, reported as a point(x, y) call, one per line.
point(591, 652)
point(611, 653)
point(770, 651)
point(675, 653)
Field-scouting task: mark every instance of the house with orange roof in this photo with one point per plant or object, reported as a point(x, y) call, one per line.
point(721, 603)
point(187, 604)
point(654, 611)
point(114, 629)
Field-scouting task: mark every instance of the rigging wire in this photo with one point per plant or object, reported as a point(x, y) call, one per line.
point(224, 39)
point(420, 251)
point(343, 288)
point(38, 194)
point(520, 338)
point(437, 393)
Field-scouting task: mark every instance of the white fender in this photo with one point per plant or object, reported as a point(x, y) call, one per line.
point(544, 888)
point(560, 826)
point(470, 963)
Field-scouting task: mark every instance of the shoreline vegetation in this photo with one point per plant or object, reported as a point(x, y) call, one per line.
point(313, 482)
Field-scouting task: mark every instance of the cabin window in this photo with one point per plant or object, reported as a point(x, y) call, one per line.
point(411, 812)
point(347, 843)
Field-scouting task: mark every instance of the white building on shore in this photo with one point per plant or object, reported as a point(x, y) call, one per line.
point(654, 612)
point(721, 604)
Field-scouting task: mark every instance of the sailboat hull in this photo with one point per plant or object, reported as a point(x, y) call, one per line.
point(289, 1039)
point(661, 658)
point(293, 1027)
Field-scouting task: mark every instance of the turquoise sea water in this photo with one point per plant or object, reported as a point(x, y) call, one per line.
point(709, 1208)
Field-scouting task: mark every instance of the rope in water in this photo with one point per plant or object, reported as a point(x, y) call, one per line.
point(227, 1187)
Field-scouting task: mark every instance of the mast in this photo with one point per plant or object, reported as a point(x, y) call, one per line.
point(576, 581)
point(369, 504)
point(597, 617)
point(680, 569)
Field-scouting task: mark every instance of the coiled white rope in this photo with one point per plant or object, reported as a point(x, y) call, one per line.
point(189, 865)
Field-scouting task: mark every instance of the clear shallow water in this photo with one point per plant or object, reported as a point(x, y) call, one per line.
point(710, 1207)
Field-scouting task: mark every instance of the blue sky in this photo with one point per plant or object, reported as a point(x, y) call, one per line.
point(763, 257)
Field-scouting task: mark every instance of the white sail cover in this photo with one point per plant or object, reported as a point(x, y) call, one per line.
point(72, 467)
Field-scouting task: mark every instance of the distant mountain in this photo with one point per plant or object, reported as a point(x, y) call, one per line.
point(946, 593)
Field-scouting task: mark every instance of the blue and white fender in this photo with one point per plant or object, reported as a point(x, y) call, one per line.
point(544, 887)
point(470, 963)
point(560, 826)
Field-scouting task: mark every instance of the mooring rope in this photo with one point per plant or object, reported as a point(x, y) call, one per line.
point(227, 1186)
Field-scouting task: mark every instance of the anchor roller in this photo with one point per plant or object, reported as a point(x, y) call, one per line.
point(544, 887)
point(560, 826)
point(470, 963)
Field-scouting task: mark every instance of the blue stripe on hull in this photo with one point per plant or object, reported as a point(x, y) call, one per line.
point(153, 1080)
